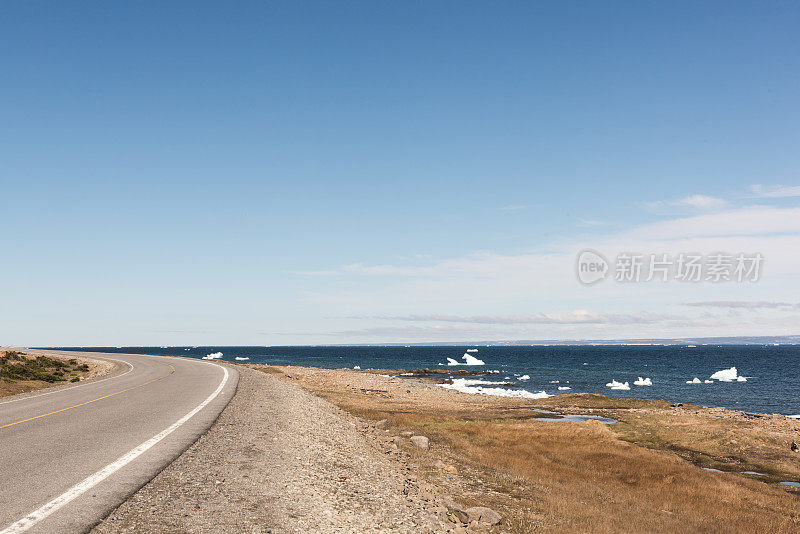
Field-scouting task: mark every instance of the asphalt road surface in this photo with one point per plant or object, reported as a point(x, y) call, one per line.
point(69, 456)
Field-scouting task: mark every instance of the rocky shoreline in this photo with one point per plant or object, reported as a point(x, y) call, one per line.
point(280, 459)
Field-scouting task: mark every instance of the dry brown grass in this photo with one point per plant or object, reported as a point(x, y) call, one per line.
point(587, 477)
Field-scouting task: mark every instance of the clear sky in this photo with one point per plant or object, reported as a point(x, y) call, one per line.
point(320, 172)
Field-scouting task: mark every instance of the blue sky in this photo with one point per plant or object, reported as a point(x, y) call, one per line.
point(311, 172)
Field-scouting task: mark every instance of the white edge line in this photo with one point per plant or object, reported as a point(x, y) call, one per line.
point(59, 390)
point(75, 491)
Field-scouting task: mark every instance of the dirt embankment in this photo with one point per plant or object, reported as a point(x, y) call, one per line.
point(22, 371)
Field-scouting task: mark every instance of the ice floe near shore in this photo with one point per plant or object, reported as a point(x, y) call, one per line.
point(643, 382)
point(524, 377)
point(622, 386)
point(212, 356)
point(563, 388)
point(241, 358)
point(695, 380)
point(466, 385)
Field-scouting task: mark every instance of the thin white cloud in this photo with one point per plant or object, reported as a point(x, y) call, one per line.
point(702, 202)
point(775, 191)
point(514, 207)
point(586, 223)
point(575, 317)
point(748, 305)
point(695, 202)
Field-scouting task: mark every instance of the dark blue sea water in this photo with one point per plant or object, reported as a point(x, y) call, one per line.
point(772, 386)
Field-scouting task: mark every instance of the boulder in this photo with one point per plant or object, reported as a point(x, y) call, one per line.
point(398, 441)
point(383, 424)
point(420, 441)
point(481, 514)
point(793, 446)
point(406, 433)
point(455, 511)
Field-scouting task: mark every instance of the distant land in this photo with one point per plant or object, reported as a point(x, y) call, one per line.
point(736, 340)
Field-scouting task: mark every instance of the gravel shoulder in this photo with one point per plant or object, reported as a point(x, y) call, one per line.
point(279, 459)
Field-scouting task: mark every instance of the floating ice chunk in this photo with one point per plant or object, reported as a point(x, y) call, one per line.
point(623, 386)
point(708, 381)
point(241, 359)
point(525, 377)
point(643, 382)
point(563, 388)
point(726, 375)
point(451, 361)
point(356, 367)
point(554, 381)
point(463, 385)
point(212, 356)
point(472, 350)
point(469, 359)
point(695, 380)
point(741, 379)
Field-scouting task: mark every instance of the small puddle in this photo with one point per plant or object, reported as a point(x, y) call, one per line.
point(792, 484)
point(571, 417)
point(754, 473)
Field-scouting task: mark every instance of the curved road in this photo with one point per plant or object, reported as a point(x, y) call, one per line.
point(69, 456)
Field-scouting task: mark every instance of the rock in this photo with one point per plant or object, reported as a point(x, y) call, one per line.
point(383, 424)
point(406, 433)
point(398, 441)
point(420, 441)
point(455, 511)
point(793, 446)
point(481, 514)
point(450, 470)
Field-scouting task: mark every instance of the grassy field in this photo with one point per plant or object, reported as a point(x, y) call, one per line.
point(641, 474)
point(21, 372)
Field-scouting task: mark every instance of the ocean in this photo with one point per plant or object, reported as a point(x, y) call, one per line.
point(771, 383)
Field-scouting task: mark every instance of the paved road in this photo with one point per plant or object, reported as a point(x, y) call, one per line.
point(69, 456)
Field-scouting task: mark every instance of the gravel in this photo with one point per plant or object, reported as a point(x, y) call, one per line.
point(280, 459)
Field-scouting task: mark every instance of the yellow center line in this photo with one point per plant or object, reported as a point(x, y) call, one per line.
point(91, 401)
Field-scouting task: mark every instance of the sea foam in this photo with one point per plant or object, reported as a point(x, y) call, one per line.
point(465, 385)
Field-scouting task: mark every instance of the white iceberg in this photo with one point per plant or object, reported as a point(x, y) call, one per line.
point(451, 361)
point(694, 381)
point(472, 350)
point(726, 375)
point(643, 382)
point(356, 367)
point(469, 359)
point(524, 377)
point(708, 381)
point(622, 386)
point(563, 388)
point(212, 356)
point(241, 359)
